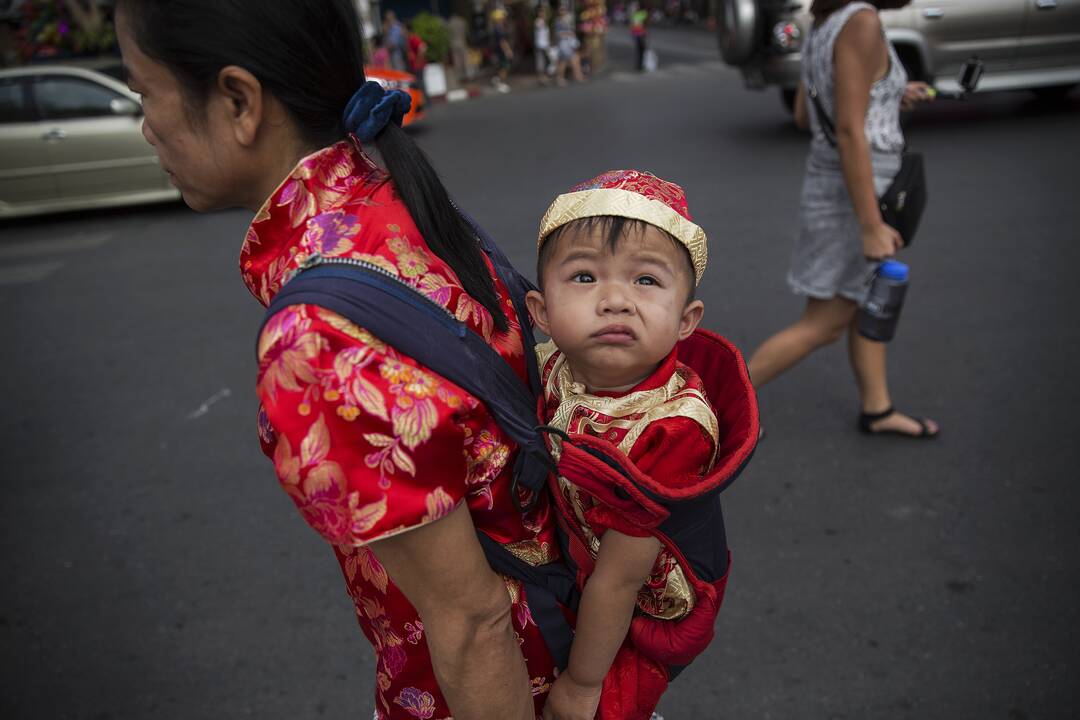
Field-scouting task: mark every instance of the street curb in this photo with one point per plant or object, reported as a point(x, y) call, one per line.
point(456, 95)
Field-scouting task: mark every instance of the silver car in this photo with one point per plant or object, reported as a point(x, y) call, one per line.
point(1023, 44)
point(71, 138)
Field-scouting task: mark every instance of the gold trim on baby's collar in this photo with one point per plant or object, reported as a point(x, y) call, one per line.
point(628, 204)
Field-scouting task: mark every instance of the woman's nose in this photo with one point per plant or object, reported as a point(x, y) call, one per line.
point(148, 134)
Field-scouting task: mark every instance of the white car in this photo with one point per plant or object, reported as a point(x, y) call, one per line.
point(1021, 44)
point(71, 138)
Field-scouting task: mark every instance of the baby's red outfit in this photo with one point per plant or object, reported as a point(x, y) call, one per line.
point(668, 430)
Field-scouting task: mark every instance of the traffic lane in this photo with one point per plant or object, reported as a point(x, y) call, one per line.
point(150, 551)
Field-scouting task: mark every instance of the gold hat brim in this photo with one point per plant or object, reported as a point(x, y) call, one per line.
point(626, 203)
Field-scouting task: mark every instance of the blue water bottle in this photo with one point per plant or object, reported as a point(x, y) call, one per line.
point(881, 310)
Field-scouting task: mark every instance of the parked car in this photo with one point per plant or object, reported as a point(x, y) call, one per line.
point(71, 138)
point(1023, 44)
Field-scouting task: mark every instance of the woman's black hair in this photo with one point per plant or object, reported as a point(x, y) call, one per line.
point(822, 9)
point(308, 54)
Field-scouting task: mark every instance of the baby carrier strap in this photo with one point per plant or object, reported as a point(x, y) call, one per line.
point(418, 327)
point(686, 518)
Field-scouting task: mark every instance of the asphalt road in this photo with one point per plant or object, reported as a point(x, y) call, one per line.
point(153, 569)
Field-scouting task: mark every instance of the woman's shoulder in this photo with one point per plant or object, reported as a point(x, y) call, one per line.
point(857, 18)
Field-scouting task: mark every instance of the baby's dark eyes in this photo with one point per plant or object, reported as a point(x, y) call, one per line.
point(582, 277)
point(648, 280)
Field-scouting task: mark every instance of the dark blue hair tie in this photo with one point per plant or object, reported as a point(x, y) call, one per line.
point(371, 107)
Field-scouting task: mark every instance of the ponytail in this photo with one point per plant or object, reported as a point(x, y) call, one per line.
point(439, 222)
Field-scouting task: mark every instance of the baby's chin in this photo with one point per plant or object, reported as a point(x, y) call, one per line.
point(600, 377)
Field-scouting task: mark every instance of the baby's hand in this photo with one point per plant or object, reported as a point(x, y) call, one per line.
point(571, 701)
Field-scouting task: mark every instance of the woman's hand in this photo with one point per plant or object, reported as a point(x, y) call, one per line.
point(915, 93)
point(568, 700)
point(880, 241)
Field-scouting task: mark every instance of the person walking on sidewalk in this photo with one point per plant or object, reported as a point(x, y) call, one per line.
point(459, 46)
point(504, 53)
point(542, 44)
point(861, 84)
point(395, 37)
point(567, 43)
point(639, 16)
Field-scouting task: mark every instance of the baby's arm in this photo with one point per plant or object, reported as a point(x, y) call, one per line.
point(607, 606)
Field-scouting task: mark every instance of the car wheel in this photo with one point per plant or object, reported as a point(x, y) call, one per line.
point(787, 96)
point(738, 30)
point(1053, 93)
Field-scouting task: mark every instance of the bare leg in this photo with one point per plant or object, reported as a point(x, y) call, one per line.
point(868, 363)
point(560, 72)
point(575, 66)
point(822, 322)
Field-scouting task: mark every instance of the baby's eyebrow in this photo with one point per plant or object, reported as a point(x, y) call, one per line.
point(653, 259)
point(582, 254)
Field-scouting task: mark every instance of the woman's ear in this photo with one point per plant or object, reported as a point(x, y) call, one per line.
point(244, 104)
point(535, 302)
point(691, 318)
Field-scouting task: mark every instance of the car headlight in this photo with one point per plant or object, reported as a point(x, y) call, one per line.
point(786, 36)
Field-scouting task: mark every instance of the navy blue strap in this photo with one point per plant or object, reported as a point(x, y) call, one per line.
point(548, 588)
point(518, 287)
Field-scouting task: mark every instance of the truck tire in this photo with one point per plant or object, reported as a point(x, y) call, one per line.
point(738, 30)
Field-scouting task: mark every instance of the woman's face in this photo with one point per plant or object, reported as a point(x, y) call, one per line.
point(192, 143)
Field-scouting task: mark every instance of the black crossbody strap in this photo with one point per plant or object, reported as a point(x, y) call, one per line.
point(518, 287)
point(414, 325)
point(549, 588)
point(828, 129)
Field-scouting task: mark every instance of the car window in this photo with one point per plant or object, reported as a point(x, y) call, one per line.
point(13, 105)
point(61, 98)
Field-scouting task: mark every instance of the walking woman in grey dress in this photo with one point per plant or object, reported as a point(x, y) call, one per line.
point(861, 86)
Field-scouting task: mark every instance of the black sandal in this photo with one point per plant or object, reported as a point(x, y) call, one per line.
point(868, 419)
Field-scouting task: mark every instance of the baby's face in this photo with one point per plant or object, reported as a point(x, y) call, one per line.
point(616, 314)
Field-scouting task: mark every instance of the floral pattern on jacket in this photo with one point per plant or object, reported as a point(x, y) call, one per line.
point(365, 441)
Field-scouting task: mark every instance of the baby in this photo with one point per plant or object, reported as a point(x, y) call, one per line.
point(619, 261)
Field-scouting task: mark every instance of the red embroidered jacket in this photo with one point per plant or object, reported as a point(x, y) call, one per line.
point(367, 443)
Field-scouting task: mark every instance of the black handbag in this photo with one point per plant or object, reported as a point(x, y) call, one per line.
point(903, 202)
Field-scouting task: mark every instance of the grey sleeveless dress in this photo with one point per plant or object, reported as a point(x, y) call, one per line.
point(828, 258)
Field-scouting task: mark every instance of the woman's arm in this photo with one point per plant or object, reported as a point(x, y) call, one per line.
point(861, 57)
point(465, 608)
point(607, 606)
point(369, 447)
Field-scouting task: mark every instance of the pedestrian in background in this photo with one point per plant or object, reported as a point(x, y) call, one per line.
point(264, 105)
point(542, 44)
point(639, 17)
point(395, 38)
point(567, 44)
point(861, 85)
point(459, 46)
point(416, 52)
point(503, 52)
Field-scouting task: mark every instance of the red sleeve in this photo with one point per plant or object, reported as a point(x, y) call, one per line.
point(673, 448)
point(365, 443)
